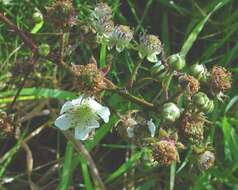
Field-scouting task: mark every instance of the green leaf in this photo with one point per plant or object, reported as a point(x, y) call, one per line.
point(232, 102)
point(67, 167)
point(41, 93)
point(124, 167)
point(198, 28)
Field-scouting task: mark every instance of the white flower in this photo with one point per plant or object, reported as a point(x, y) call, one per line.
point(152, 127)
point(82, 114)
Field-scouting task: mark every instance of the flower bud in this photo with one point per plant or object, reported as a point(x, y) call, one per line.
point(176, 61)
point(199, 71)
point(206, 160)
point(170, 112)
point(201, 100)
point(37, 17)
point(44, 49)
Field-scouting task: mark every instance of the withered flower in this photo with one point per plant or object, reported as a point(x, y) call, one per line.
point(62, 13)
point(220, 79)
point(206, 160)
point(192, 126)
point(165, 152)
point(89, 79)
point(6, 124)
point(190, 84)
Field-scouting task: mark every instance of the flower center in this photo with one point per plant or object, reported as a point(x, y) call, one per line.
point(83, 114)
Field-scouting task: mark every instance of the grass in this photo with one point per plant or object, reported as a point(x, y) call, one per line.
point(201, 31)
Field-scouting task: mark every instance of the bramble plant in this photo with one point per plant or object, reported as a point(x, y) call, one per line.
point(110, 78)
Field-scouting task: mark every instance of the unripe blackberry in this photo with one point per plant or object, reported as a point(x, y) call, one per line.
point(176, 62)
point(206, 160)
point(170, 112)
point(165, 152)
point(44, 49)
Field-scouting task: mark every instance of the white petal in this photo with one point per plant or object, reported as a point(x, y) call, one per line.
point(153, 57)
point(152, 127)
point(102, 111)
point(63, 122)
point(70, 104)
point(130, 132)
point(92, 124)
point(82, 133)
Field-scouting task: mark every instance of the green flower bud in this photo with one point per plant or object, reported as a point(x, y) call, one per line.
point(176, 61)
point(200, 99)
point(37, 17)
point(170, 112)
point(44, 49)
point(203, 103)
point(199, 71)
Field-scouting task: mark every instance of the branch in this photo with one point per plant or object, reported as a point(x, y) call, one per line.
point(27, 40)
point(83, 151)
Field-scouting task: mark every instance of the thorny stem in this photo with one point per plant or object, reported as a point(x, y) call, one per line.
point(28, 42)
point(134, 73)
point(83, 151)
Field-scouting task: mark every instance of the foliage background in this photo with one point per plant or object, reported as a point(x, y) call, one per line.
point(174, 22)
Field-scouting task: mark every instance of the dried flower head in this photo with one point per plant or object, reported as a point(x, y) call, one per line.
point(62, 13)
point(101, 21)
point(165, 152)
point(6, 125)
point(192, 126)
point(150, 46)
point(102, 10)
point(206, 160)
point(190, 84)
point(121, 37)
point(89, 78)
point(220, 79)
point(103, 27)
